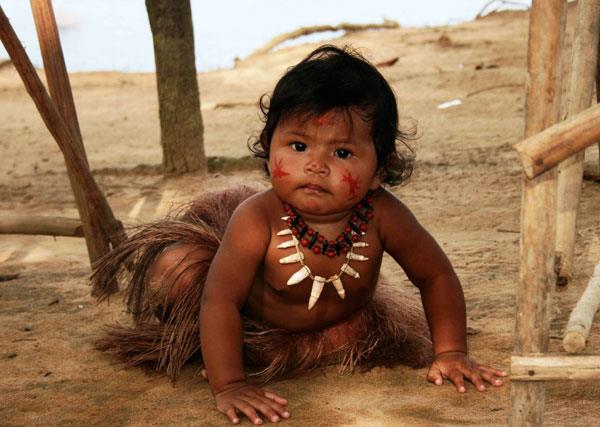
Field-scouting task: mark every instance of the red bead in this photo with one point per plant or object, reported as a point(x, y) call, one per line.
point(304, 242)
point(289, 220)
point(320, 238)
point(369, 199)
point(301, 223)
point(370, 215)
point(332, 243)
point(359, 206)
point(295, 231)
point(347, 229)
point(316, 250)
point(310, 231)
point(355, 238)
point(340, 238)
point(330, 254)
point(346, 249)
point(354, 218)
point(363, 227)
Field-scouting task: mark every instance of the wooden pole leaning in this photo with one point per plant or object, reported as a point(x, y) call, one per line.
point(538, 207)
point(579, 97)
point(92, 200)
point(580, 320)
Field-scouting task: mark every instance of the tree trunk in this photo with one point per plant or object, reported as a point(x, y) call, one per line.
point(181, 128)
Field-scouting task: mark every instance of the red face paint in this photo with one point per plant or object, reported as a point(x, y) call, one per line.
point(353, 184)
point(324, 119)
point(278, 171)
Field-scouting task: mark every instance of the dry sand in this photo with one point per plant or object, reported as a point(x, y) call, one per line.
point(465, 190)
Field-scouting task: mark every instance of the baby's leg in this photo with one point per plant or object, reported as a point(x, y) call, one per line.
point(172, 274)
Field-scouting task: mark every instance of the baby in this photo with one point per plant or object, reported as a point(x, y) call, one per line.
point(288, 279)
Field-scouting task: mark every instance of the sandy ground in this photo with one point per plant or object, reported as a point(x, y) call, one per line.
point(465, 189)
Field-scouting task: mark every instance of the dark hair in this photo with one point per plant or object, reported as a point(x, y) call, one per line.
point(339, 78)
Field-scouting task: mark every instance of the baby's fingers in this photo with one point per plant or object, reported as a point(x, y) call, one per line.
point(491, 375)
point(459, 381)
point(435, 375)
point(276, 397)
point(249, 411)
point(232, 415)
point(476, 379)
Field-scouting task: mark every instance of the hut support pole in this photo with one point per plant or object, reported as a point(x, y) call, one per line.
point(90, 200)
point(538, 207)
point(579, 97)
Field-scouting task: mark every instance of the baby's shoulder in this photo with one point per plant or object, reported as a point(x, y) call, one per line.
point(391, 213)
point(258, 208)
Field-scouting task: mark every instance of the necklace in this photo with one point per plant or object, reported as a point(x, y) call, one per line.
point(355, 228)
point(345, 243)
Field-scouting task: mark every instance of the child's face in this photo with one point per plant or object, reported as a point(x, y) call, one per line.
point(323, 165)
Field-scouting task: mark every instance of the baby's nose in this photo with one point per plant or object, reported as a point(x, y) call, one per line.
point(317, 166)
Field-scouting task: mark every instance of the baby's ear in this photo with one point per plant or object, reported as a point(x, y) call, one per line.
point(377, 180)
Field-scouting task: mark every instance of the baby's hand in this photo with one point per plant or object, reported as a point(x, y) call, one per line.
point(456, 366)
point(248, 399)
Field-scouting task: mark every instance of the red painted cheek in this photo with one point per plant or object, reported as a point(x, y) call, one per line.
point(353, 184)
point(278, 171)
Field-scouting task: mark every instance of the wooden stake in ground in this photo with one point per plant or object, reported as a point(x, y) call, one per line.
point(538, 207)
point(579, 97)
point(96, 229)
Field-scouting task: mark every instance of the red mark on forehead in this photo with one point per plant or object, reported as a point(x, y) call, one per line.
point(278, 171)
point(353, 184)
point(324, 119)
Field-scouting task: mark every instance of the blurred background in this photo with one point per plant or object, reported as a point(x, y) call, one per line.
point(114, 35)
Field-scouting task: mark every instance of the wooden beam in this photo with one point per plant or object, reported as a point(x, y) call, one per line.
point(538, 206)
point(579, 98)
point(543, 151)
point(41, 225)
point(554, 368)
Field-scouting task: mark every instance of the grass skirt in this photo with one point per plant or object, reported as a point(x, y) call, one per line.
point(392, 327)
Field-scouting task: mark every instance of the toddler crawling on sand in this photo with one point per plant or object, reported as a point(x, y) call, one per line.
point(286, 280)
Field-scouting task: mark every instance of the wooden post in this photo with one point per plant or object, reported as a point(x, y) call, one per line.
point(92, 201)
point(538, 207)
point(579, 97)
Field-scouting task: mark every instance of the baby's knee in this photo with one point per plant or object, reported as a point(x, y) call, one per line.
point(175, 269)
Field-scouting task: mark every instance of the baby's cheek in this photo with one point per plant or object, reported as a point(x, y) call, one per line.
point(352, 183)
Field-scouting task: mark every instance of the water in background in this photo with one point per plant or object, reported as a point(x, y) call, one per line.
point(115, 34)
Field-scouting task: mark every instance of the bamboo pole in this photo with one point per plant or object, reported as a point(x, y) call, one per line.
point(41, 225)
point(579, 97)
point(538, 206)
point(535, 368)
point(543, 151)
point(580, 320)
point(92, 200)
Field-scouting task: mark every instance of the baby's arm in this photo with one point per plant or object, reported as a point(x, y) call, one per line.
point(228, 283)
point(429, 269)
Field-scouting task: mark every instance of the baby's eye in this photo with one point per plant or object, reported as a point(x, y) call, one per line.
point(342, 154)
point(298, 146)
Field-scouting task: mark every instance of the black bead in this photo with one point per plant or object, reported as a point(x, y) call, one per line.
point(338, 248)
point(347, 238)
point(366, 205)
point(303, 231)
point(313, 240)
point(361, 216)
point(354, 227)
point(295, 220)
point(325, 245)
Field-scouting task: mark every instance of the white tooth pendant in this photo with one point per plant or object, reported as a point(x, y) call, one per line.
point(360, 245)
point(290, 259)
point(357, 257)
point(285, 218)
point(299, 276)
point(288, 244)
point(350, 271)
point(284, 232)
point(315, 292)
point(339, 287)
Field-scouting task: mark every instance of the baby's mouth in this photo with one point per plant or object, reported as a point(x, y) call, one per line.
point(313, 187)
